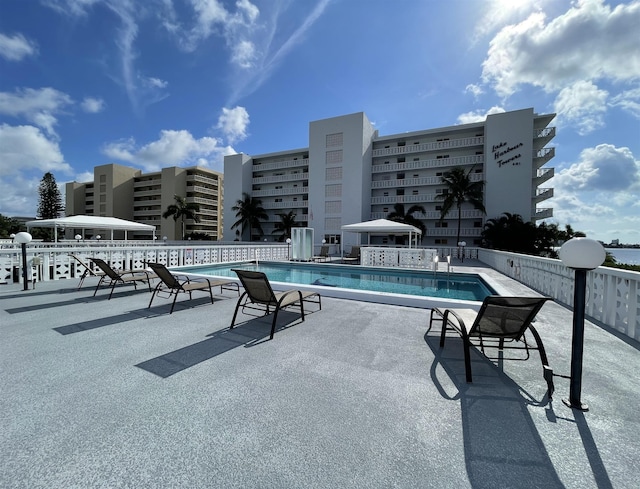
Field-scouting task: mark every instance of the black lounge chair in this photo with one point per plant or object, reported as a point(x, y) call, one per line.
point(121, 277)
point(171, 284)
point(323, 255)
point(259, 295)
point(499, 319)
point(87, 270)
point(353, 256)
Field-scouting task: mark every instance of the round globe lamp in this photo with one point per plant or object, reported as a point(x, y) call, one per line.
point(24, 238)
point(582, 255)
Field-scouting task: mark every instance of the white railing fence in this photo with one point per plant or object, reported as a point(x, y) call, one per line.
point(613, 295)
point(373, 256)
point(51, 263)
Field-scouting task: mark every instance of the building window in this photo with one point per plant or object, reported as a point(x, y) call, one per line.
point(402, 159)
point(400, 176)
point(333, 173)
point(334, 139)
point(400, 191)
point(332, 223)
point(333, 207)
point(333, 156)
point(334, 190)
point(414, 192)
point(401, 143)
point(103, 179)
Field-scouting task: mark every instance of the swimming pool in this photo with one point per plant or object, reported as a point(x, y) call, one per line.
point(330, 278)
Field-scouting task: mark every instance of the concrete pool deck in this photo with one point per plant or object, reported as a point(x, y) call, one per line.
point(99, 393)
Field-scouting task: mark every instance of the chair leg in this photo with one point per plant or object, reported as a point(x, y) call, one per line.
point(547, 371)
point(154, 294)
point(466, 344)
point(273, 324)
point(233, 321)
point(175, 296)
point(113, 286)
point(98, 286)
point(443, 332)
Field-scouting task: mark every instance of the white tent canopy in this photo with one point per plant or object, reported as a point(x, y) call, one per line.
point(91, 222)
point(381, 226)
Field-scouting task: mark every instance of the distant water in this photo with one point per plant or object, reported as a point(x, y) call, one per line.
point(630, 256)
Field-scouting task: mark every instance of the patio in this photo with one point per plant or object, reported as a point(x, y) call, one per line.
point(99, 393)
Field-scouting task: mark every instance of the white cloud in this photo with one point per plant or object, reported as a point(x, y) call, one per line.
point(173, 148)
point(25, 155)
point(234, 123)
point(478, 115)
point(474, 89)
point(38, 106)
point(17, 47)
point(498, 13)
point(628, 100)
point(71, 7)
point(92, 105)
point(603, 168)
point(590, 41)
point(583, 105)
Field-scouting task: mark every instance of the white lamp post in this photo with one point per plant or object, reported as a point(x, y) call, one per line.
point(78, 238)
point(24, 238)
point(462, 244)
point(289, 248)
point(581, 254)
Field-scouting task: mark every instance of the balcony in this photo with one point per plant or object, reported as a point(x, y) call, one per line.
point(291, 177)
point(281, 191)
point(542, 136)
point(542, 194)
point(300, 204)
point(202, 179)
point(417, 182)
point(433, 146)
point(543, 213)
point(428, 163)
point(543, 156)
point(543, 175)
point(452, 231)
point(277, 165)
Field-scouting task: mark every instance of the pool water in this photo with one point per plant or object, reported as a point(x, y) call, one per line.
point(411, 282)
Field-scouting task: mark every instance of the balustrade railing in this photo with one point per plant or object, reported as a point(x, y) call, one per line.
point(613, 295)
point(54, 263)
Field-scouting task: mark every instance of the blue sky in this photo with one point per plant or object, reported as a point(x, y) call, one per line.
point(159, 83)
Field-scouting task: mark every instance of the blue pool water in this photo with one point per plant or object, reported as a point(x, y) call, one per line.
point(411, 282)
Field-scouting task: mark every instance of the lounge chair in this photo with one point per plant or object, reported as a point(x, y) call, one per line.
point(499, 319)
point(259, 295)
point(353, 256)
point(323, 255)
point(87, 270)
point(121, 277)
point(174, 286)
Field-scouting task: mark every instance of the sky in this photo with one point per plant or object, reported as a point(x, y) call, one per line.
point(158, 83)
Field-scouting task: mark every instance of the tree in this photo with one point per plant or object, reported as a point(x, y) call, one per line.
point(287, 221)
point(182, 210)
point(399, 215)
point(509, 233)
point(249, 212)
point(460, 189)
point(50, 204)
point(8, 226)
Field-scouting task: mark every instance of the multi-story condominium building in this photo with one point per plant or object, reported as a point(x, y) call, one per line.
point(350, 174)
point(127, 193)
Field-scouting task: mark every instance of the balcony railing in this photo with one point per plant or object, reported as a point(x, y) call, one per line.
point(291, 177)
point(418, 182)
point(428, 163)
point(281, 191)
point(276, 165)
point(433, 146)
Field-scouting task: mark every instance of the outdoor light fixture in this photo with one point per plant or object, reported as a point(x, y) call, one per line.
point(462, 244)
point(24, 238)
point(78, 238)
point(581, 254)
point(288, 248)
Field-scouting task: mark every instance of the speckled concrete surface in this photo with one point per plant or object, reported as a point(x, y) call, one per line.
point(110, 394)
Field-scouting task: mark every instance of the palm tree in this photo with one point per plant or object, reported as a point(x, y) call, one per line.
point(182, 210)
point(509, 232)
point(249, 212)
point(460, 190)
point(399, 215)
point(287, 221)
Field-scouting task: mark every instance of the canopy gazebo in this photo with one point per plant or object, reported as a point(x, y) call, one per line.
point(91, 222)
point(381, 226)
